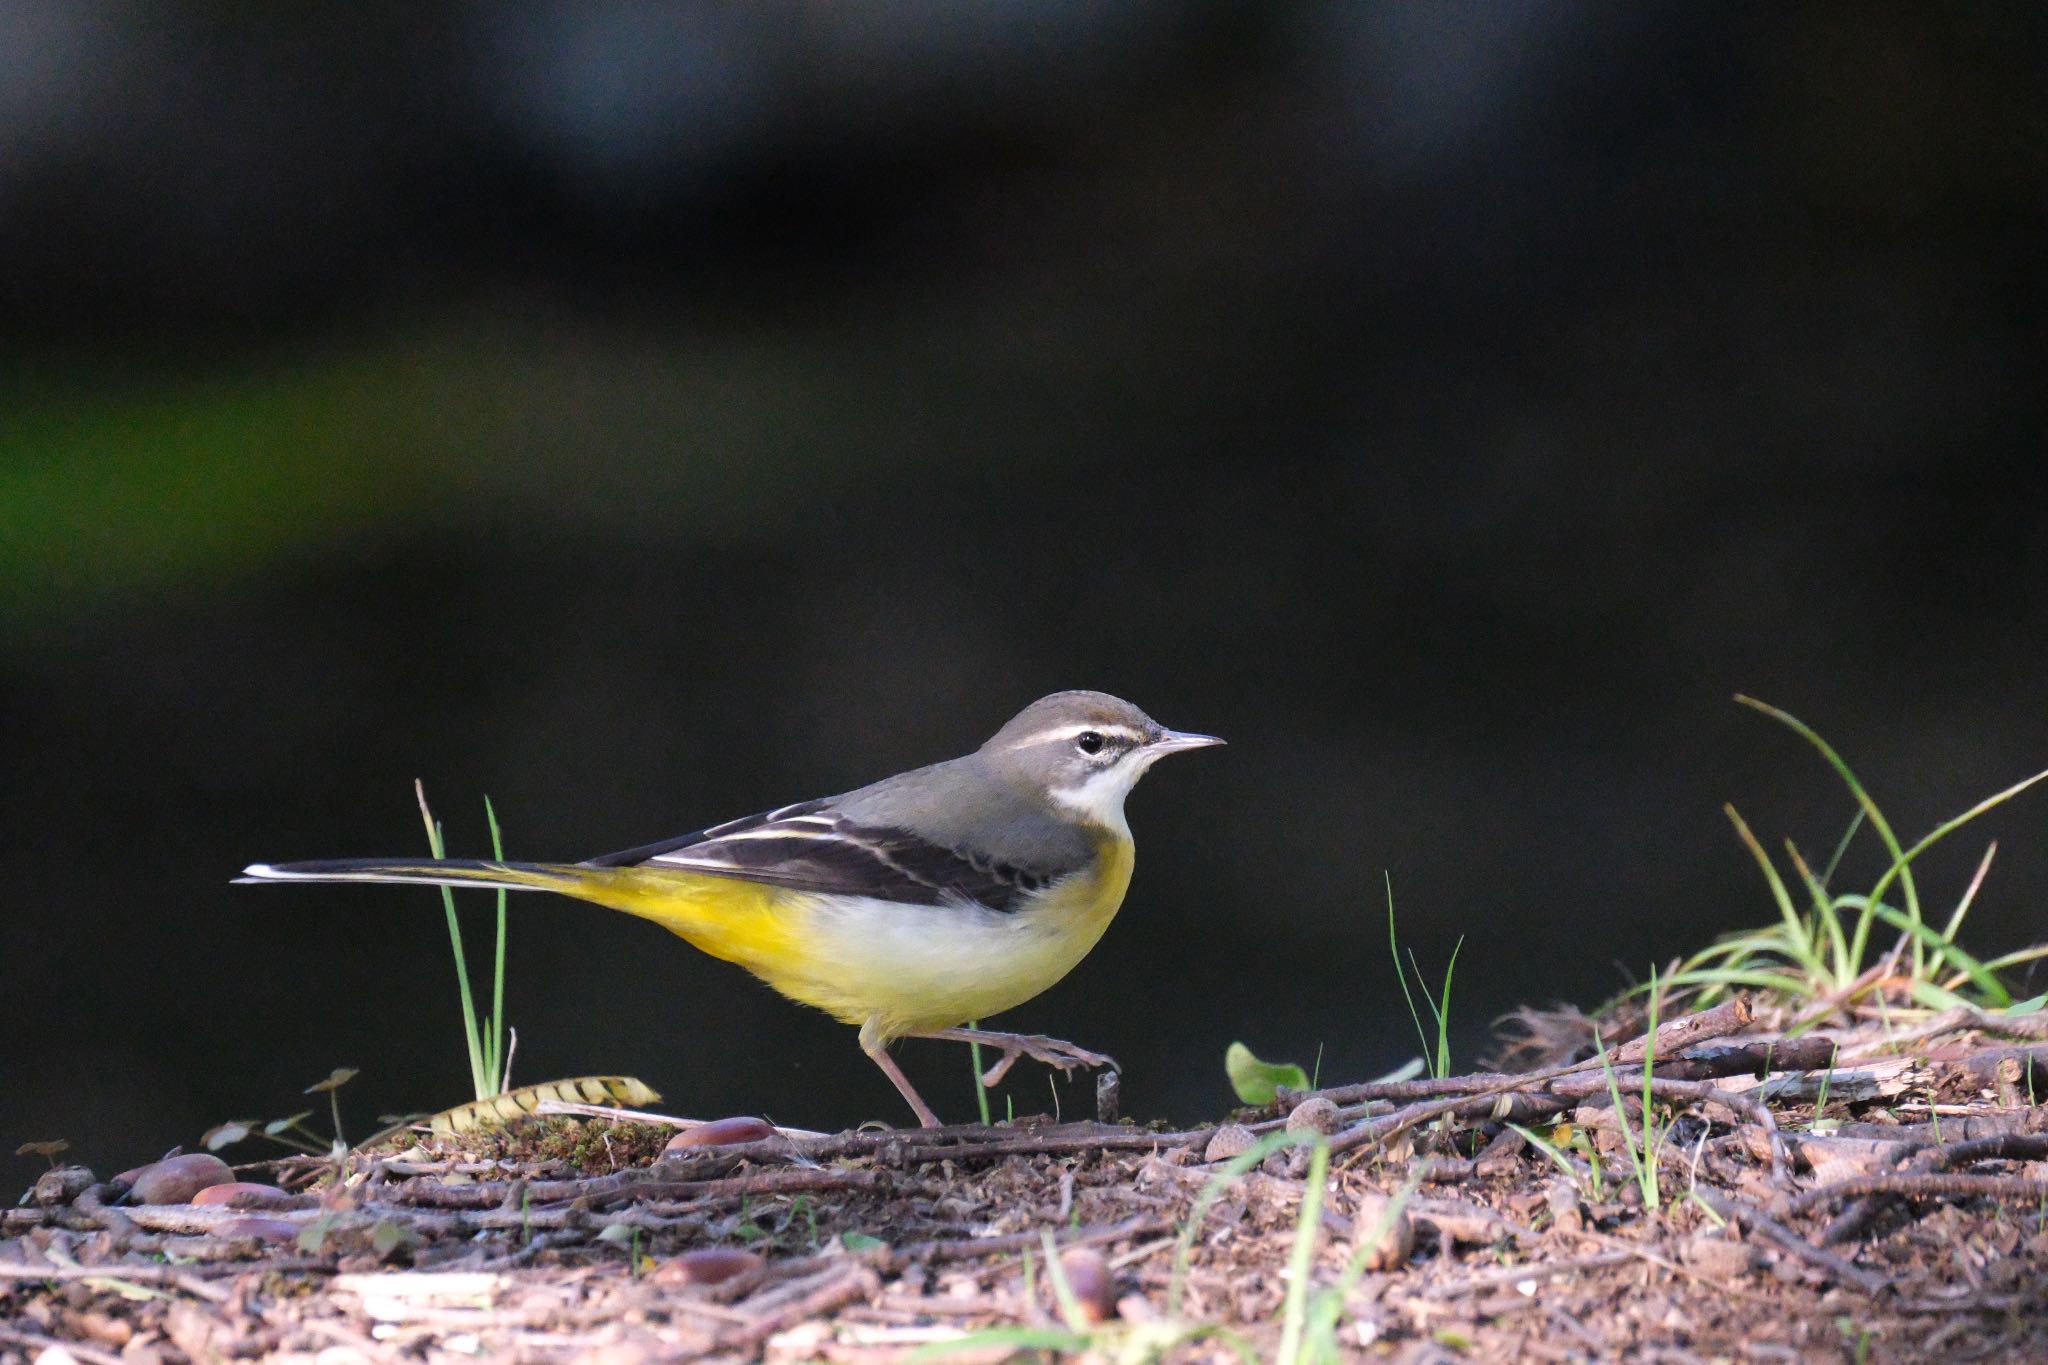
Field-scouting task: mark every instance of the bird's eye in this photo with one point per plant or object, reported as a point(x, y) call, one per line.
point(1089, 742)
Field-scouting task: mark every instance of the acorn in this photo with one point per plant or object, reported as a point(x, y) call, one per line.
point(1232, 1139)
point(1313, 1115)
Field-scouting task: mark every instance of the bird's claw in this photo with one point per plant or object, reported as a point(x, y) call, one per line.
point(1053, 1052)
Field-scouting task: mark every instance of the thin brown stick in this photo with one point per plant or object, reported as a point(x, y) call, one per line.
point(1731, 1016)
point(1949, 1184)
point(911, 1152)
point(961, 1141)
point(1757, 1221)
point(963, 1248)
point(1534, 1102)
point(1998, 1147)
point(1962, 1017)
point(857, 1282)
point(1759, 1058)
point(1534, 1270)
point(39, 1343)
point(642, 1185)
point(134, 1274)
point(1932, 1157)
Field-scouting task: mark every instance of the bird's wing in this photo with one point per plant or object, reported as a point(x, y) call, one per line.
point(812, 847)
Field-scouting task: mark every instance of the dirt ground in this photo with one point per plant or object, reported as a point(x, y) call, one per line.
point(1864, 1193)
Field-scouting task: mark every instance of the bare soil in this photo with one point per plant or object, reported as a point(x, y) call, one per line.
point(1901, 1216)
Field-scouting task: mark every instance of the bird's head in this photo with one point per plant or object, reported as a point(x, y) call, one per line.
point(1084, 751)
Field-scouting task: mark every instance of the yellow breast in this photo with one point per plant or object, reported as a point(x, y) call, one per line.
point(913, 968)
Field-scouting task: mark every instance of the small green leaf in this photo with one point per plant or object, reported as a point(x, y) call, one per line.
point(2031, 1005)
point(618, 1234)
point(860, 1241)
point(1255, 1081)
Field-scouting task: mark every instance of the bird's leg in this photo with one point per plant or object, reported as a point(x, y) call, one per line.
point(872, 1044)
point(1052, 1051)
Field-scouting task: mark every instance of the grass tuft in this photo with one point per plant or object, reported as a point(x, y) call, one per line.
point(490, 1061)
point(1438, 1061)
point(1820, 953)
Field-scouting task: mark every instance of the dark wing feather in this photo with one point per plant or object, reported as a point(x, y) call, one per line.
point(809, 847)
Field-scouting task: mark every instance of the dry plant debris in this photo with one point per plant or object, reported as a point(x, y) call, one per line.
point(1819, 1198)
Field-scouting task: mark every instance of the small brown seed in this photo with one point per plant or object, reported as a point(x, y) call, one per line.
point(242, 1194)
point(720, 1133)
point(256, 1229)
point(708, 1265)
point(1392, 1235)
point(1232, 1139)
point(175, 1179)
point(1094, 1287)
point(1314, 1115)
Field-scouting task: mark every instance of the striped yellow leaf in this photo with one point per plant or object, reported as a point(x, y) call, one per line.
point(499, 1110)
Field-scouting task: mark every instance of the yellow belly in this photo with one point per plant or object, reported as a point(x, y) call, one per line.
point(907, 968)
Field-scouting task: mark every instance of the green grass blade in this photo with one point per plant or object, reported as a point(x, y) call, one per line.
point(1443, 1014)
point(1648, 1173)
point(1400, 973)
point(1827, 874)
point(974, 1061)
point(1795, 928)
point(1901, 869)
point(1062, 1288)
point(479, 1077)
point(1319, 1335)
point(1935, 997)
point(1015, 1338)
point(1947, 954)
point(1950, 826)
point(1551, 1150)
point(2014, 959)
point(1828, 916)
point(1301, 1256)
point(495, 1060)
point(1955, 921)
point(1859, 937)
point(1798, 987)
point(1620, 1110)
point(1176, 1285)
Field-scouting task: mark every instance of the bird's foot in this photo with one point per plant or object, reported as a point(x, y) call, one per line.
point(1054, 1052)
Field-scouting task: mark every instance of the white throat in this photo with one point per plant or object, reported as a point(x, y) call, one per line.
point(1099, 799)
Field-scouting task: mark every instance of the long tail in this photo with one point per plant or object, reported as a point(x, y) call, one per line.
point(740, 921)
point(585, 883)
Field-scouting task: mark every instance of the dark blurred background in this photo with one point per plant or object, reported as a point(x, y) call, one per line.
point(647, 415)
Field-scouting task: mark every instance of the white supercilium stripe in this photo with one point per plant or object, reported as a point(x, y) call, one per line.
point(1075, 731)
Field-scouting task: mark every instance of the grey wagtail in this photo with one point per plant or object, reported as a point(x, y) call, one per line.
point(908, 907)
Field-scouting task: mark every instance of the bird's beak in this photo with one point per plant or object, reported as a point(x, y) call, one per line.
point(1174, 740)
